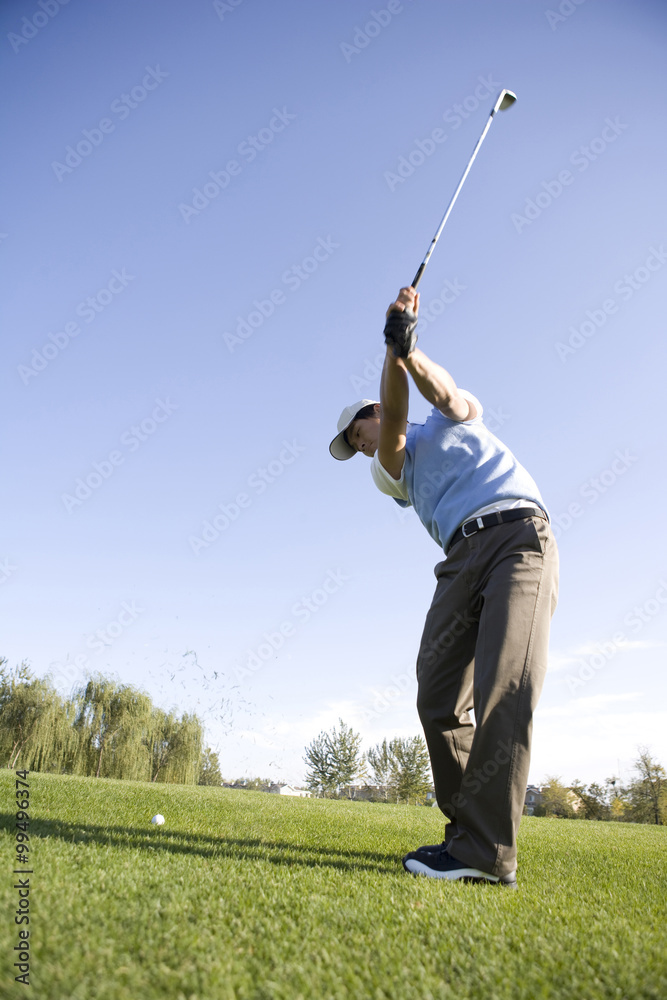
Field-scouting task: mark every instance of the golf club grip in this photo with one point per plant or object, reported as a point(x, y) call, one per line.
point(417, 277)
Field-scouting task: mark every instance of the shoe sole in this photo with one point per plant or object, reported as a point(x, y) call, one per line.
point(456, 875)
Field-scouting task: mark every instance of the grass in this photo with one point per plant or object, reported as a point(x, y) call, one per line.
point(249, 896)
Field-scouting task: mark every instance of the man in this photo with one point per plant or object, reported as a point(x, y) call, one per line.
point(486, 635)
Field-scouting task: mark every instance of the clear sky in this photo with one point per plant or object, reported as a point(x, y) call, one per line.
point(206, 209)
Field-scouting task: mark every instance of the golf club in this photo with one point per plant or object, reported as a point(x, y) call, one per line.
point(505, 100)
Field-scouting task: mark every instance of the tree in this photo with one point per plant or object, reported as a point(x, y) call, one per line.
point(161, 740)
point(556, 799)
point(618, 805)
point(410, 773)
point(17, 712)
point(253, 784)
point(379, 760)
point(334, 760)
point(34, 723)
point(594, 798)
point(647, 795)
point(402, 767)
point(106, 729)
point(321, 774)
point(209, 768)
point(182, 751)
point(54, 741)
point(111, 720)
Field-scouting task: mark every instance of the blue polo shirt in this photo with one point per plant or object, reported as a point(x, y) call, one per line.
point(454, 468)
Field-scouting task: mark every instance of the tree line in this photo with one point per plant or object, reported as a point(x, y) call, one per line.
point(105, 730)
point(111, 730)
point(397, 770)
point(643, 799)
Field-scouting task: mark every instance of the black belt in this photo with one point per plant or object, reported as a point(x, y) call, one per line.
point(476, 524)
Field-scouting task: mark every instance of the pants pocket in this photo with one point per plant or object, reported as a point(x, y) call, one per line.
point(537, 534)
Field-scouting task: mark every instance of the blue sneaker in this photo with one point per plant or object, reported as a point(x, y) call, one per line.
point(441, 864)
point(430, 849)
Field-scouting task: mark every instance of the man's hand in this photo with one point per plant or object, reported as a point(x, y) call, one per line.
point(407, 298)
point(399, 330)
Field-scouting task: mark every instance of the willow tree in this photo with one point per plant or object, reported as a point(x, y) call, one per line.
point(110, 723)
point(160, 741)
point(16, 712)
point(33, 722)
point(54, 740)
point(175, 747)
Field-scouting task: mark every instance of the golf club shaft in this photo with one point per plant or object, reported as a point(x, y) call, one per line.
point(417, 277)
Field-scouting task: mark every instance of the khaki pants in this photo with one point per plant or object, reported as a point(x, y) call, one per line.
point(485, 646)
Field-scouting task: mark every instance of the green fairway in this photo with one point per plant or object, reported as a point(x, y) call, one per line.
point(250, 895)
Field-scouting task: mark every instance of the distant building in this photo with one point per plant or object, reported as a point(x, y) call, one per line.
point(362, 792)
point(533, 799)
point(252, 785)
point(281, 789)
point(377, 793)
point(575, 801)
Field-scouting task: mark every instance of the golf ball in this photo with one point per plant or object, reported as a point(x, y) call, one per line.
point(158, 819)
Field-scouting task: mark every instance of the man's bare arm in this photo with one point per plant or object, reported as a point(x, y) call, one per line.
point(438, 387)
point(434, 383)
point(394, 392)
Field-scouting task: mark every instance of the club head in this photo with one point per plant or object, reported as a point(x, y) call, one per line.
point(505, 100)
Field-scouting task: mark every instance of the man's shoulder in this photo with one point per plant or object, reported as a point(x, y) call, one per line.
point(437, 417)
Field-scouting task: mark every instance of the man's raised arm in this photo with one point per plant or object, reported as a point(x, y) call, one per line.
point(434, 383)
point(394, 390)
point(438, 386)
point(394, 393)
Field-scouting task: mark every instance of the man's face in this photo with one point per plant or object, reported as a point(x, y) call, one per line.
point(364, 435)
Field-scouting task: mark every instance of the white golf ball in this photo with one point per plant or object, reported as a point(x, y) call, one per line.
point(158, 819)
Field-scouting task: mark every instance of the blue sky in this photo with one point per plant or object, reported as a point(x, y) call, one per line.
point(207, 209)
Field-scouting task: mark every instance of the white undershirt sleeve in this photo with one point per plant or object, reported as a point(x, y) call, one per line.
point(398, 487)
point(386, 483)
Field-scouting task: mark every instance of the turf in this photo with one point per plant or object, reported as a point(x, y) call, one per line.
point(249, 896)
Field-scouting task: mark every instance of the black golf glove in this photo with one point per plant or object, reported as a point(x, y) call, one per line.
point(399, 332)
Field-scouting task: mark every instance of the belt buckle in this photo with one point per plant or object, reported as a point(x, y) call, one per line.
point(475, 520)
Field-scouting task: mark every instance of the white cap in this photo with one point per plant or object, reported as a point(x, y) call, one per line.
point(339, 447)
